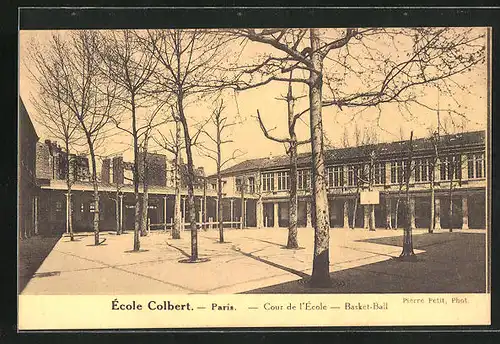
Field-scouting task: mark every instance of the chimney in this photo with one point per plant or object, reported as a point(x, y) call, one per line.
point(270, 155)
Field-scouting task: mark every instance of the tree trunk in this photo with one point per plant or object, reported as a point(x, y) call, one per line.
point(321, 261)
point(69, 220)
point(176, 229)
point(396, 212)
point(219, 186)
point(407, 238)
point(145, 195)
point(219, 206)
point(190, 181)
point(450, 211)
point(204, 225)
point(96, 191)
point(293, 199)
point(355, 210)
point(371, 218)
point(292, 241)
point(137, 213)
point(144, 211)
point(433, 200)
point(242, 202)
point(117, 213)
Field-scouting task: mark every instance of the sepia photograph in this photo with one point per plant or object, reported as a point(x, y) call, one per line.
point(257, 168)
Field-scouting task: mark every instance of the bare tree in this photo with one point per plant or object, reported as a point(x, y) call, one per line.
point(144, 177)
point(117, 182)
point(219, 137)
point(129, 66)
point(291, 143)
point(144, 171)
point(190, 61)
point(402, 177)
point(87, 95)
point(415, 57)
point(451, 166)
point(173, 144)
point(435, 140)
point(118, 196)
point(53, 114)
point(365, 174)
point(408, 238)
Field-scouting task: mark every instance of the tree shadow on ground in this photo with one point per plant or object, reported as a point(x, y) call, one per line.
point(268, 262)
point(451, 263)
point(32, 253)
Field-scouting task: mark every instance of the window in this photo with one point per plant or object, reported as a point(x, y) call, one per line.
point(267, 181)
point(283, 180)
point(335, 176)
point(394, 169)
point(401, 172)
point(379, 173)
point(457, 163)
point(475, 165)
point(426, 170)
point(352, 175)
point(111, 174)
point(450, 168)
point(422, 170)
point(329, 180)
point(470, 166)
point(303, 179)
point(338, 174)
point(251, 185)
point(479, 165)
point(81, 173)
point(398, 171)
point(238, 184)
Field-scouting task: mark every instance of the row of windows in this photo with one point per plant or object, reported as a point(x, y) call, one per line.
point(450, 168)
point(283, 180)
point(476, 167)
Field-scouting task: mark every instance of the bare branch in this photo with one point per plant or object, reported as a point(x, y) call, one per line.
point(266, 132)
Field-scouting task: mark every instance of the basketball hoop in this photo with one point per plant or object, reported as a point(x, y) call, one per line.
point(369, 197)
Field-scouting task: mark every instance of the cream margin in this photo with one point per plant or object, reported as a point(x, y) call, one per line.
point(65, 312)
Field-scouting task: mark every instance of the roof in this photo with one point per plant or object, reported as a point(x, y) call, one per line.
point(350, 153)
point(25, 118)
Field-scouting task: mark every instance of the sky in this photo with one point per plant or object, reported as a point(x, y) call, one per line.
point(388, 121)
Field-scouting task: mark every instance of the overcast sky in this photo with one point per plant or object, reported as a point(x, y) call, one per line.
point(389, 123)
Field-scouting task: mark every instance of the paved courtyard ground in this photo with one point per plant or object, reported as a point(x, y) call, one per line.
point(254, 261)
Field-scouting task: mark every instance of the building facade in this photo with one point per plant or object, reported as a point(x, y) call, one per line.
point(456, 163)
point(255, 192)
point(28, 192)
point(117, 198)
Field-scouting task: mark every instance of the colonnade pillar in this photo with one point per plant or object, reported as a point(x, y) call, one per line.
point(465, 213)
point(308, 214)
point(346, 213)
point(437, 214)
point(276, 215)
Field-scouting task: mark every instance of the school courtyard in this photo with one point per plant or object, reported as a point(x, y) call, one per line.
point(253, 261)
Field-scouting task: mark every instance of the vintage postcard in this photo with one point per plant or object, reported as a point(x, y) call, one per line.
point(244, 177)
